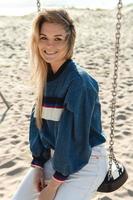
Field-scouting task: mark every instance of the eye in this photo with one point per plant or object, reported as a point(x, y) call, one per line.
point(58, 39)
point(43, 38)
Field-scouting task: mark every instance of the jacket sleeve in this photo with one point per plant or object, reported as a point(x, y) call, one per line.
point(40, 154)
point(73, 149)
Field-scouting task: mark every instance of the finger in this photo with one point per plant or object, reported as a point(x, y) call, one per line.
point(45, 185)
point(38, 187)
point(42, 182)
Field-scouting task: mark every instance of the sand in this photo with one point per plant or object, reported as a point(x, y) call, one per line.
point(94, 50)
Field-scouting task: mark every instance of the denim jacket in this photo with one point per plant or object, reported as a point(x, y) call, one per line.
point(71, 120)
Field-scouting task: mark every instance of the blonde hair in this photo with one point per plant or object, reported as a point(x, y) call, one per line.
point(38, 65)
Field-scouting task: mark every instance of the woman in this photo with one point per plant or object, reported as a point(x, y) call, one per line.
point(66, 118)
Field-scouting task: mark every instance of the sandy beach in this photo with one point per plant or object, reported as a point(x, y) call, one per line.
point(94, 50)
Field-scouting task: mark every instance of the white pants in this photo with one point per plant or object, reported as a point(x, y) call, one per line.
point(81, 185)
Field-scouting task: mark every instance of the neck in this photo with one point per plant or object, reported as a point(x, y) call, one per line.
point(56, 66)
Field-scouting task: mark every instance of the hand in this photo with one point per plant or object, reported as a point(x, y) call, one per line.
point(39, 179)
point(49, 192)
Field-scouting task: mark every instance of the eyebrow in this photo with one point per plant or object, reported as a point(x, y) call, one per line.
point(54, 35)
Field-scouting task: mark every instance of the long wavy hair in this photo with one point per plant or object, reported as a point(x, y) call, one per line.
point(39, 68)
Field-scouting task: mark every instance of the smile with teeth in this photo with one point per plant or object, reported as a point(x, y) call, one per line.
point(51, 53)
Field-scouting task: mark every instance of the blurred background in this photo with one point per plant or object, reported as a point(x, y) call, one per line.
point(15, 7)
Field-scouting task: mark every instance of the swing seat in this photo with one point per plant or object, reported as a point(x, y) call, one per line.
point(117, 179)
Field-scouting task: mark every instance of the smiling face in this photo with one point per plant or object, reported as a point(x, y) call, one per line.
point(53, 44)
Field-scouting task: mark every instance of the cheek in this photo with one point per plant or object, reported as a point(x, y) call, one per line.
point(40, 45)
point(63, 49)
point(40, 50)
point(65, 52)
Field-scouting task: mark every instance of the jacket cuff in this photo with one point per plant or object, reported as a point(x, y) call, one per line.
point(59, 177)
point(36, 166)
point(37, 161)
point(42, 159)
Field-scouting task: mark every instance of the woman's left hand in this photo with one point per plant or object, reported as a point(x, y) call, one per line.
point(49, 192)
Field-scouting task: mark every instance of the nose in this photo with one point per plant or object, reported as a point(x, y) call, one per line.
point(49, 44)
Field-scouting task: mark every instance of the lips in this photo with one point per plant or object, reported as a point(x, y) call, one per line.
point(50, 53)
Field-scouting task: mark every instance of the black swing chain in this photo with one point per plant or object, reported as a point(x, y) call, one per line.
point(38, 5)
point(114, 91)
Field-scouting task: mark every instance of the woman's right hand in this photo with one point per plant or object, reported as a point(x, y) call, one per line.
point(39, 181)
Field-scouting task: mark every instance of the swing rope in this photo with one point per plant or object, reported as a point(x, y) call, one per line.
point(114, 89)
point(38, 6)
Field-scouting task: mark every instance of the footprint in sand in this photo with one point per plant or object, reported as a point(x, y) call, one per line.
point(121, 117)
point(104, 198)
point(129, 108)
point(15, 142)
point(15, 171)
point(130, 192)
point(7, 165)
point(126, 133)
point(2, 138)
